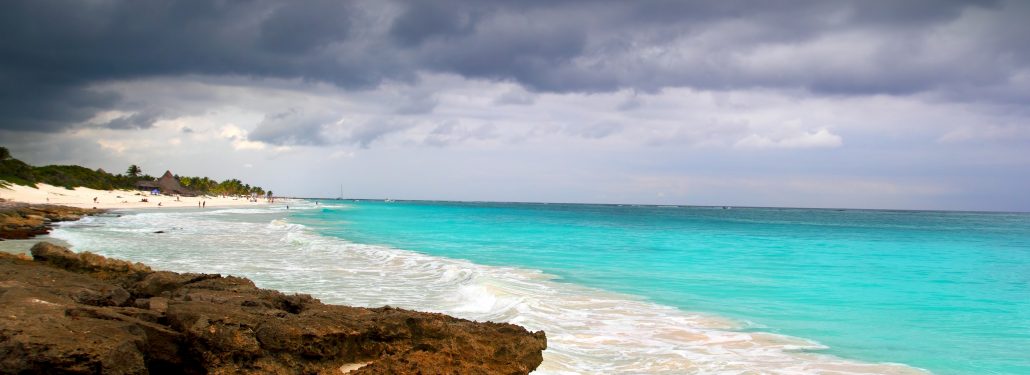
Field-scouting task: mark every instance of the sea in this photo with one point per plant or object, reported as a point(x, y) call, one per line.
point(628, 289)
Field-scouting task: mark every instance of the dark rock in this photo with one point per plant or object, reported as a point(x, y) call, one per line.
point(22, 221)
point(71, 312)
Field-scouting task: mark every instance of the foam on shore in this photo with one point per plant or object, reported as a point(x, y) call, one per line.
point(588, 330)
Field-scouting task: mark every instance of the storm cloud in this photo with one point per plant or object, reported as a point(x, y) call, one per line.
point(54, 52)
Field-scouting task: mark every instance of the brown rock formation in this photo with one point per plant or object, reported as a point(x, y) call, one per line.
point(83, 313)
point(20, 221)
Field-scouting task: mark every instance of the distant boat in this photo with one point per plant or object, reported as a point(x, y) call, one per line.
point(388, 200)
point(340, 197)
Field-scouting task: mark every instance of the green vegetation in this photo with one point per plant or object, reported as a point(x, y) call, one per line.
point(15, 171)
point(227, 187)
point(70, 176)
point(134, 171)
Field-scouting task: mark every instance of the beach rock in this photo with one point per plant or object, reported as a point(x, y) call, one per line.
point(22, 221)
point(83, 313)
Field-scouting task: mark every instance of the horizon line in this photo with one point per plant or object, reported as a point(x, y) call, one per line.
point(672, 205)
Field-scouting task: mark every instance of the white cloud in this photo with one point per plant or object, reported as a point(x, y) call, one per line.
point(821, 138)
point(116, 146)
point(565, 146)
point(341, 154)
point(233, 132)
point(986, 132)
point(238, 136)
point(240, 144)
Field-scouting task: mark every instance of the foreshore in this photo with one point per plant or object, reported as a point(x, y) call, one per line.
point(84, 313)
point(81, 312)
point(21, 221)
point(82, 197)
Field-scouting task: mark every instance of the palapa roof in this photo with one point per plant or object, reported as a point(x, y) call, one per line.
point(168, 184)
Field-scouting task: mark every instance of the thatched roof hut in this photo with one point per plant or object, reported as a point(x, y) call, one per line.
point(146, 185)
point(167, 184)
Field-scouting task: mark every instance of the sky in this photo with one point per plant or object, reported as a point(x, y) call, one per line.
point(861, 104)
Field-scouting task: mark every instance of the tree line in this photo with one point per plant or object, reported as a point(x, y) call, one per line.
point(227, 187)
point(70, 176)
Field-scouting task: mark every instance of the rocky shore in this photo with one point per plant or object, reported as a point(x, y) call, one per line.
point(22, 220)
point(71, 312)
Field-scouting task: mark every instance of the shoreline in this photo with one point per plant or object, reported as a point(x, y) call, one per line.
point(82, 312)
point(23, 247)
point(453, 287)
point(70, 311)
point(82, 197)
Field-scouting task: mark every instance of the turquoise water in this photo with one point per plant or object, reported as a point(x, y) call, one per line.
point(944, 291)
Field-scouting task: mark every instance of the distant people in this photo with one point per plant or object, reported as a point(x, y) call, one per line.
point(94, 199)
point(205, 204)
point(198, 204)
point(159, 204)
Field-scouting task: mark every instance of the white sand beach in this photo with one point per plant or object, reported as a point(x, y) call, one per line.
point(111, 199)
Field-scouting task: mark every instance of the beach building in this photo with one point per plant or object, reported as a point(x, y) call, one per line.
point(146, 185)
point(167, 184)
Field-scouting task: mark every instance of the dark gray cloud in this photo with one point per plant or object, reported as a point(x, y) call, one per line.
point(515, 97)
point(290, 128)
point(423, 20)
point(138, 120)
point(31, 106)
point(417, 103)
point(302, 26)
point(365, 134)
point(54, 53)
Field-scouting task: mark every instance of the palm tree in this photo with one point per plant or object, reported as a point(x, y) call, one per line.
point(4, 153)
point(134, 171)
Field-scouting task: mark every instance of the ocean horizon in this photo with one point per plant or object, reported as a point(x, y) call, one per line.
point(727, 206)
point(638, 288)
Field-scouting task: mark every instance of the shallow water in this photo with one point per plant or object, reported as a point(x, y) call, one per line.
point(640, 289)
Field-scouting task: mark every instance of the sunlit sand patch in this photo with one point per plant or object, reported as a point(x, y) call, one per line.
point(347, 368)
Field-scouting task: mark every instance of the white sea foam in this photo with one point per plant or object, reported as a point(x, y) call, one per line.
point(588, 330)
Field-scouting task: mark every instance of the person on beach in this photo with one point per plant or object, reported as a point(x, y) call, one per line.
point(94, 199)
point(205, 204)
